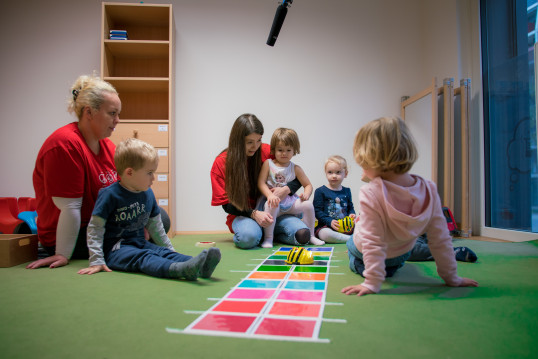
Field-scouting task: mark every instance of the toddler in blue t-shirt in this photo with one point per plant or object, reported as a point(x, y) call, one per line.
point(116, 239)
point(333, 202)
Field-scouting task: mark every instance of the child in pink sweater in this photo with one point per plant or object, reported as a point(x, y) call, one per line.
point(396, 207)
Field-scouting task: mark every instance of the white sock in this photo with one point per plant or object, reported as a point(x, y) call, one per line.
point(330, 236)
point(267, 243)
point(315, 241)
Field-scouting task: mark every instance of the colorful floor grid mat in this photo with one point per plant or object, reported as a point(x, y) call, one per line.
point(275, 301)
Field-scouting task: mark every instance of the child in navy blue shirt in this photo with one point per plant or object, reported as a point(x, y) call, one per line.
point(116, 239)
point(333, 202)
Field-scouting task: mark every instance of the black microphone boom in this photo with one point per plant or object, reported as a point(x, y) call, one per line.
point(280, 15)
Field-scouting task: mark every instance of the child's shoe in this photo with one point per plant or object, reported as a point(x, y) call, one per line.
point(464, 254)
point(302, 236)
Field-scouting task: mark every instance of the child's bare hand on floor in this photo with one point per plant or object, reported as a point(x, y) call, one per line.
point(95, 269)
point(54, 261)
point(357, 289)
point(466, 282)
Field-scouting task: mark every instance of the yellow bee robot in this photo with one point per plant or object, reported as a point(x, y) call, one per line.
point(299, 255)
point(346, 225)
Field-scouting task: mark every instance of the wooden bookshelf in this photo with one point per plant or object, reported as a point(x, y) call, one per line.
point(140, 68)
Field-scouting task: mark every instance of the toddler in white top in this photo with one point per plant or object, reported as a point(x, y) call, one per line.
point(277, 173)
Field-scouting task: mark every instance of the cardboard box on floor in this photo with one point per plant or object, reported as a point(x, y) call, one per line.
point(17, 248)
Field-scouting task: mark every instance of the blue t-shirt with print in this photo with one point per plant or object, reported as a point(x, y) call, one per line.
point(329, 205)
point(126, 213)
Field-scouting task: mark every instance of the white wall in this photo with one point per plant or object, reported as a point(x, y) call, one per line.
point(45, 46)
point(336, 65)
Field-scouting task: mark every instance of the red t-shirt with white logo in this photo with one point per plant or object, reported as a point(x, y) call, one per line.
point(67, 167)
point(218, 176)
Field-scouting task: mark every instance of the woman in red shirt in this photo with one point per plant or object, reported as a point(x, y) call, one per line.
point(74, 163)
point(234, 177)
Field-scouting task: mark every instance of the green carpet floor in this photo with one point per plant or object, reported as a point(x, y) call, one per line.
point(57, 313)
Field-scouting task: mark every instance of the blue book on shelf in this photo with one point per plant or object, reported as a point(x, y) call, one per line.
point(118, 37)
point(118, 32)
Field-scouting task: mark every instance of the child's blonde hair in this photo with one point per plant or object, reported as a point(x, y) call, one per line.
point(134, 153)
point(287, 137)
point(385, 144)
point(339, 160)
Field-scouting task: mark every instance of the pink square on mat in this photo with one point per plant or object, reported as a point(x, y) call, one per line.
point(225, 323)
point(287, 327)
point(251, 294)
point(306, 296)
point(240, 306)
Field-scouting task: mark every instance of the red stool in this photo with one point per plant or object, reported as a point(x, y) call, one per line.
point(13, 205)
point(26, 204)
point(9, 223)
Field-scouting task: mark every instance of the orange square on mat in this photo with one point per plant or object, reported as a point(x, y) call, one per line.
point(267, 275)
point(307, 276)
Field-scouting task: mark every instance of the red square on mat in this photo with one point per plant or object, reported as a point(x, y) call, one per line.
point(225, 323)
point(239, 306)
point(295, 309)
point(287, 327)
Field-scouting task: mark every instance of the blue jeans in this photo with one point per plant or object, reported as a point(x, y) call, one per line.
point(139, 255)
point(248, 233)
point(356, 263)
point(81, 248)
point(421, 251)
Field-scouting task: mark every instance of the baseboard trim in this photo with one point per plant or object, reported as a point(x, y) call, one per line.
point(190, 233)
point(484, 239)
point(476, 238)
point(508, 235)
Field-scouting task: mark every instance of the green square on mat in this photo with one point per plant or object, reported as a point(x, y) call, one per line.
point(278, 257)
point(310, 269)
point(264, 268)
